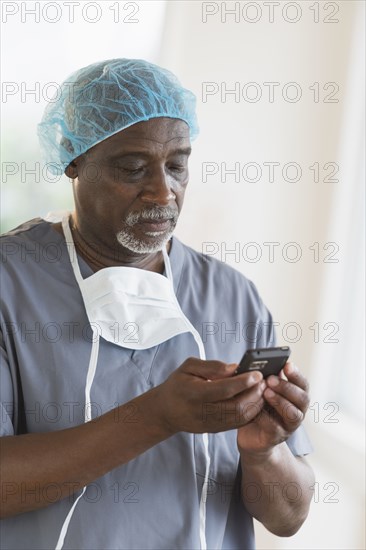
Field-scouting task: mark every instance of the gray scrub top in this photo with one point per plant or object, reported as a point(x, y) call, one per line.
point(152, 502)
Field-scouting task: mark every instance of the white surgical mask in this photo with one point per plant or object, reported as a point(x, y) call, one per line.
point(117, 299)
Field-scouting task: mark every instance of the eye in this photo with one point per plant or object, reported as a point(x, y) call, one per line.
point(133, 171)
point(178, 164)
point(177, 168)
point(131, 166)
point(129, 171)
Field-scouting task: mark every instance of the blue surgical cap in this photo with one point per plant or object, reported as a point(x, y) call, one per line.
point(104, 98)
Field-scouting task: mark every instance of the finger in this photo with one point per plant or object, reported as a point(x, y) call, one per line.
point(293, 394)
point(289, 391)
point(224, 389)
point(240, 410)
point(208, 370)
point(294, 375)
point(251, 403)
point(289, 415)
point(297, 393)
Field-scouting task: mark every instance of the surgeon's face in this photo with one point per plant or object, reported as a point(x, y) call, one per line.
point(129, 189)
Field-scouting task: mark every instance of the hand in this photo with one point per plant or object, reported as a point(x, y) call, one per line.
point(204, 396)
point(286, 404)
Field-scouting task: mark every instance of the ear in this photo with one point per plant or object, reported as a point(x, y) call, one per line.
point(71, 170)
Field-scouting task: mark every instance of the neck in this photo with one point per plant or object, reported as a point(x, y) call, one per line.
point(100, 257)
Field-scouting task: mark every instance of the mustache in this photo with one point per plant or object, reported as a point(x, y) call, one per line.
point(154, 213)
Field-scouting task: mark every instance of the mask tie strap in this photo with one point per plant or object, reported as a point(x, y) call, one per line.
point(202, 353)
point(70, 245)
point(203, 500)
point(89, 377)
point(168, 267)
point(87, 417)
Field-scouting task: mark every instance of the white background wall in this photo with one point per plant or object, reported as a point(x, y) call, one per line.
point(217, 51)
point(298, 42)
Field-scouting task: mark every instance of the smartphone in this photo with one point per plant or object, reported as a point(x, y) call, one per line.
point(267, 360)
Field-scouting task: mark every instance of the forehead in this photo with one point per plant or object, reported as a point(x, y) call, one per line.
point(154, 135)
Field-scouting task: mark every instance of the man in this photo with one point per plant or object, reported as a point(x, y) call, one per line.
point(106, 406)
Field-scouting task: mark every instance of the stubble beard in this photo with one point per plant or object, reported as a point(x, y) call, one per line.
point(155, 240)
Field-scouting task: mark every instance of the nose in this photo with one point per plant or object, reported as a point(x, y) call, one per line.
point(158, 190)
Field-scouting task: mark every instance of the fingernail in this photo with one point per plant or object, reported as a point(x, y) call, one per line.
point(230, 366)
point(256, 376)
point(291, 368)
point(273, 381)
point(269, 393)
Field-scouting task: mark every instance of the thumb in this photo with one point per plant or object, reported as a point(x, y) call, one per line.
point(209, 370)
